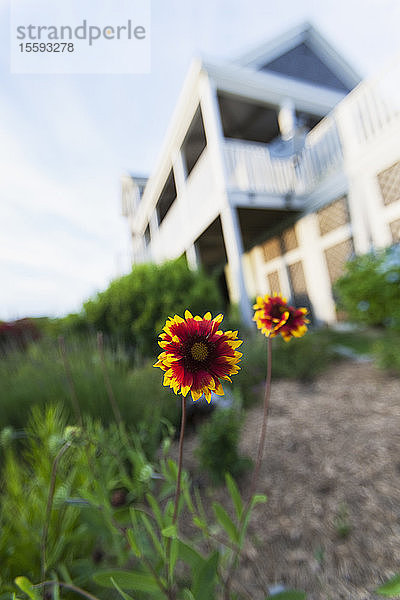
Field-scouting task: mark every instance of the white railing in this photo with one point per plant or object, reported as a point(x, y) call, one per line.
point(250, 167)
point(373, 106)
point(322, 154)
point(369, 111)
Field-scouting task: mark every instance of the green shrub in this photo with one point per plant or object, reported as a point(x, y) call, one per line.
point(218, 445)
point(134, 307)
point(369, 291)
point(387, 352)
point(98, 476)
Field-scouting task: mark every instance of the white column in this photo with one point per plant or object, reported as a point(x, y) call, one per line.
point(192, 257)
point(234, 251)
point(229, 219)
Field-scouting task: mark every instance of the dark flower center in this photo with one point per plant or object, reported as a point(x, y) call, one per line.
point(199, 351)
point(277, 311)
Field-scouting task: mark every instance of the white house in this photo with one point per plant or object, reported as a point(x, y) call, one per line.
point(275, 169)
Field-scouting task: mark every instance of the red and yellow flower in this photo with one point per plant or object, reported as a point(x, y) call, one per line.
point(274, 315)
point(197, 355)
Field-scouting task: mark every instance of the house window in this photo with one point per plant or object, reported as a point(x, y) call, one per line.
point(166, 198)
point(333, 216)
point(273, 282)
point(195, 141)
point(389, 182)
point(336, 257)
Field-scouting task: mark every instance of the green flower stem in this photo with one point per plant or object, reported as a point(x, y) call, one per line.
point(178, 488)
point(71, 385)
point(43, 546)
point(256, 471)
point(261, 443)
point(178, 482)
point(107, 382)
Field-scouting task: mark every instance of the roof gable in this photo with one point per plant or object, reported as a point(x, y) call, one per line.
point(302, 53)
point(303, 63)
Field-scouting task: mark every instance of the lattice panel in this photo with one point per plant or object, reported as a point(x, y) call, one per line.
point(290, 241)
point(271, 249)
point(389, 181)
point(336, 258)
point(333, 216)
point(273, 282)
point(395, 229)
point(297, 278)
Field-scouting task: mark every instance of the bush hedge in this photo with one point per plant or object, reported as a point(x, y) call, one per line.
point(369, 291)
point(134, 308)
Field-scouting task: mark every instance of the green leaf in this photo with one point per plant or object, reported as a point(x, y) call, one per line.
point(133, 543)
point(235, 495)
point(134, 518)
point(190, 556)
point(127, 580)
point(226, 522)
point(200, 507)
point(26, 586)
point(173, 556)
point(289, 595)
point(188, 499)
point(391, 588)
point(173, 468)
point(203, 583)
point(258, 499)
point(156, 509)
point(168, 511)
point(65, 573)
point(200, 523)
point(123, 594)
point(187, 595)
point(169, 531)
point(156, 542)
point(56, 588)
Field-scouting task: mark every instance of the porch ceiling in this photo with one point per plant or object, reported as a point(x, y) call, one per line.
point(258, 224)
point(247, 120)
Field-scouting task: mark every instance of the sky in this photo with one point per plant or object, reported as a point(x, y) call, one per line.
point(65, 140)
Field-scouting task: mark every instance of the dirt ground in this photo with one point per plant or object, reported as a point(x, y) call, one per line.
point(331, 471)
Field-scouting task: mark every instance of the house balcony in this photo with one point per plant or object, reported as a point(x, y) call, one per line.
point(254, 176)
point(361, 125)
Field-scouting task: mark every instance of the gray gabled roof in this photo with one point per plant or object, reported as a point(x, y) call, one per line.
point(305, 35)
